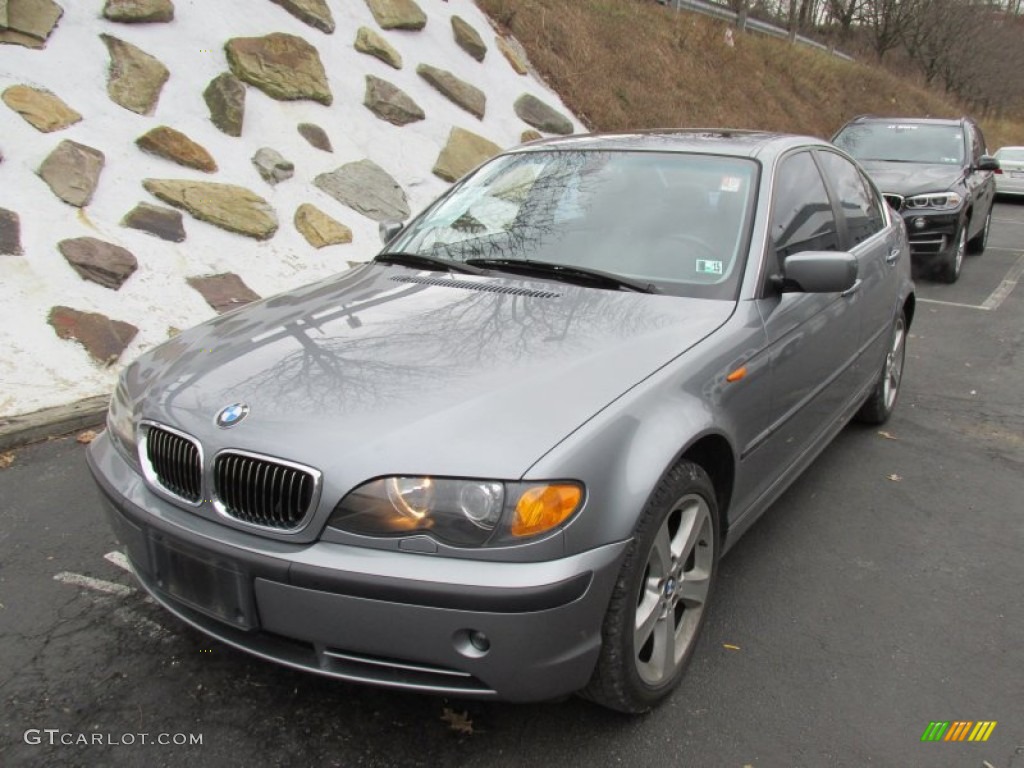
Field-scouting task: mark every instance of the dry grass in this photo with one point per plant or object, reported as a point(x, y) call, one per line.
point(625, 64)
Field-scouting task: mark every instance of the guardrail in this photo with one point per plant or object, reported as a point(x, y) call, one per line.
point(718, 12)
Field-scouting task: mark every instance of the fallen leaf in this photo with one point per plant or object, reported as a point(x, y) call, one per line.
point(887, 435)
point(458, 722)
point(894, 477)
point(730, 646)
point(86, 437)
point(6, 459)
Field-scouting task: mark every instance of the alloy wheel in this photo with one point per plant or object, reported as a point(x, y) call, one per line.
point(674, 590)
point(894, 364)
point(961, 248)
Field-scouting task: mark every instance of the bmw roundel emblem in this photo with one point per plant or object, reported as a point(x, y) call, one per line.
point(231, 415)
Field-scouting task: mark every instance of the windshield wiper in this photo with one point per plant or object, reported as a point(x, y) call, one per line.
point(565, 272)
point(427, 262)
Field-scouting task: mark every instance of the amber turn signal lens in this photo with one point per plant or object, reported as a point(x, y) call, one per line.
point(543, 507)
point(739, 373)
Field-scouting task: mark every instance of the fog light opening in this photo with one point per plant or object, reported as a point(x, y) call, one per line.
point(472, 643)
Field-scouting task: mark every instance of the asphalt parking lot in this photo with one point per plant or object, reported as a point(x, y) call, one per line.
point(881, 593)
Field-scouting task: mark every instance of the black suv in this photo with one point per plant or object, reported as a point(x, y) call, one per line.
point(937, 174)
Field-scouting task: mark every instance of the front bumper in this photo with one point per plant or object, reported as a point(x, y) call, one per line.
point(396, 619)
point(931, 234)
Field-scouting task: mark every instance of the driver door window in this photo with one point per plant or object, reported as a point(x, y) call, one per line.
point(802, 215)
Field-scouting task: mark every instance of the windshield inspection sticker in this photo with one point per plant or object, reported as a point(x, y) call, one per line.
point(709, 267)
point(731, 184)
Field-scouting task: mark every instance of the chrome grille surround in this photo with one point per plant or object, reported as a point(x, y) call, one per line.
point(172, 462)
point(264, 492)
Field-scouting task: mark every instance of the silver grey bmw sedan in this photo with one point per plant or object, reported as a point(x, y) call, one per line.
point(504, 458)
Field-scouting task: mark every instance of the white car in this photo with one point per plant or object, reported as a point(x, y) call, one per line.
point(1010, 176)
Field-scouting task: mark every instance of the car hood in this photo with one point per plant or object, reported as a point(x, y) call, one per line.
point(390, 370)
point(908, 179)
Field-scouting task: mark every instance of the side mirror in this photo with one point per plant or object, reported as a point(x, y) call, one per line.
point(818, 272)
point(389, 230)
point(988, 163)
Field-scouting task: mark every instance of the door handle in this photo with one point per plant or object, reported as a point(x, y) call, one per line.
point(893, 257)
point(852, 289)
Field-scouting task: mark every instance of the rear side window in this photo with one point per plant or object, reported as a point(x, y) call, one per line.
point(802, 216)
point(860, 206)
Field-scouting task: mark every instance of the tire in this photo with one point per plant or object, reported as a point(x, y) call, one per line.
point(667, 576)
point(976, 244)
point(880, 403)
point(952, 262)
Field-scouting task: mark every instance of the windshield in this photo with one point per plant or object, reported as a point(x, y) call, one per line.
point(1013, 155)
point(679, 222)
point(904, 142)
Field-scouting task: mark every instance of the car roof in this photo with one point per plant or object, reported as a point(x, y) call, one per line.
point(923, 120)
point(718, 141)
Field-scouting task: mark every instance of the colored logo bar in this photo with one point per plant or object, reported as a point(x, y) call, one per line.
point(958, 730)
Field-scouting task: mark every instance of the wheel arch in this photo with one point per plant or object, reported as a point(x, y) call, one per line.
point(909, 305)
point(714, 454)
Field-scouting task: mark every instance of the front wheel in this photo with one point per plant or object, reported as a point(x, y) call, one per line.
point(659, 602)
point(879, 406)
point(976, 244)
point(953, 261)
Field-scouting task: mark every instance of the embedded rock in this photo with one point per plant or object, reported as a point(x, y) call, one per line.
point(272, 166)
point(164, 223)
point(316, 136)
point(72, 171)
point(41, 109)
point(391, 103)
point(223, 292)
point(139, 11)
point(97, 260)
point(10, 233)
point(104, 339)
point(367, 188)
point(284, 67)
point(542, 117)
point(28, 22)
point(318, 228)
point(468, 39)
point(512, 55)
point(135, 78)
point(225, 98)
point(464, 151)
point(312, 12)
point(176, 146)
point(369, 42)
point(227, 206)
point(530, 135)
point(467, 96)
point(397, 14)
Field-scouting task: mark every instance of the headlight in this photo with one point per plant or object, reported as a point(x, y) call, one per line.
point(940, 201)
point(458, 512)
point(121, 421)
